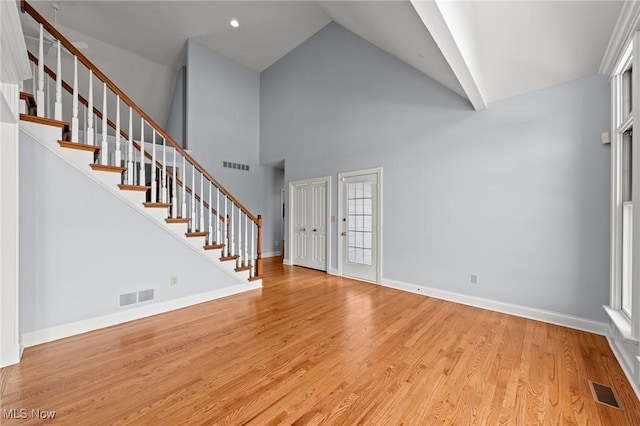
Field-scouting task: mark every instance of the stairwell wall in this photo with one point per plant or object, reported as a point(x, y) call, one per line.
point(81, 247)
point(223, 124)
point(518, 193)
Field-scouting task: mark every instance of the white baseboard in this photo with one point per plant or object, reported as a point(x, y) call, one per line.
point(271, 254)
point(506, 308)
point(286, 261)
point(625, 366)
point(67, 330)
point(332, 271)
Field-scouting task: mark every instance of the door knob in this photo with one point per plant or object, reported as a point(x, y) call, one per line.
point(303, 229)
point(343, 234)
point(315, 230)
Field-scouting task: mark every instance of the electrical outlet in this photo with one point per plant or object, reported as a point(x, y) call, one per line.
point(174, 280)
point(474, 279)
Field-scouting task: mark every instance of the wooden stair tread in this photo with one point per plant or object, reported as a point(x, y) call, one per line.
point(213, 246)
point(256, 278)
point(157, 205)
point(79, 146)
point(177, 220)
point(125, 187)
point(243, 268)
point(103, 168)
point(195, 234)
point(228, 258)
point(47, 121)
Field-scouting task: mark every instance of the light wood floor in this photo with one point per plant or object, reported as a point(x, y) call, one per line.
point(310, 349)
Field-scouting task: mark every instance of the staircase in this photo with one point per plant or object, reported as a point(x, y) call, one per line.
point(143, 166)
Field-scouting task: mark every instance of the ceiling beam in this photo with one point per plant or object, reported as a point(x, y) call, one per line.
point(433, 19)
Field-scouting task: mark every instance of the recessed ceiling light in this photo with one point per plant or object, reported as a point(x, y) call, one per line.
point(234, 23)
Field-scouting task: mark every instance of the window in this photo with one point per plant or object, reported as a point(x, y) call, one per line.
point(625, 277)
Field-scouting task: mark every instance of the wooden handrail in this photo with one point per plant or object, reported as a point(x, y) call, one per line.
point(26, 7)
point(125, 135)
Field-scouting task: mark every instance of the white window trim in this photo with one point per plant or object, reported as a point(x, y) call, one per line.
point(629, 327)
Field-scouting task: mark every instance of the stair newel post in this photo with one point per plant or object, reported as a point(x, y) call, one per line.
point(210, 234)
point(58, 104)
point(259, 247)
point(74, 118)
point(142, 181)
point(90, 111)
point(154, 184)
point(118, 159)
point(104, 150)
point(130, 170)
point(183, 212)
point(201, 222)
point(218, 239)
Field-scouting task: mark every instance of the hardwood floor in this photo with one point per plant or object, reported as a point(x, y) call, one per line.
point(315, 349)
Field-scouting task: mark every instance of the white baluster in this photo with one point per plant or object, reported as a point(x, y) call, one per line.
point(130, 170)
point(201, 224)
point(184, 189)
point(154, 185)
point(225, 229)
point(210, 235)
point(58, 105)
point(142, 178)
point(40, 93)
point(174, 194)
point(246, 243)
point(163, 181)
point(232, 233)
point(104, 150)
point(218, 239)
point(239, 260)
point(193, 199)
point(90, 135)
point(118, 158)
point(34, 81)
point(74, 118)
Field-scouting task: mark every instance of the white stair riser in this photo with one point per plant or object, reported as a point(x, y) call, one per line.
point(197, 242)
point(160, 214)
point(108, 178)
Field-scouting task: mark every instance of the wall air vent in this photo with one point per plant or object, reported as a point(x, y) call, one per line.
point(237, 166)
point(128, 299)
point(136, 297)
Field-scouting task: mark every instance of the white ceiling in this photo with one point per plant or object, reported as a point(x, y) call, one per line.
point(506, 48)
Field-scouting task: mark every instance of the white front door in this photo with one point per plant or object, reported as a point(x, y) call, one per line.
point(310, 225)
point(359, 233)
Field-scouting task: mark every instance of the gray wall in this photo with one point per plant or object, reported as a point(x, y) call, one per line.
point(81, 246)
point(175, 125)
point(223, 124)
point(518, 193)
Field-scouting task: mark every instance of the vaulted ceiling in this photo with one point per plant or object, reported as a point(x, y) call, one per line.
point(483, 50)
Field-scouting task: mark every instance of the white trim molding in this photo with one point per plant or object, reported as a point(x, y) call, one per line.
point(67, 330)
point(550, 317)
point(372, 171)
point(628, 23)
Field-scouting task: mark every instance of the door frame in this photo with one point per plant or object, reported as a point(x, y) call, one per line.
point(373, 171)
point(327, 181)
